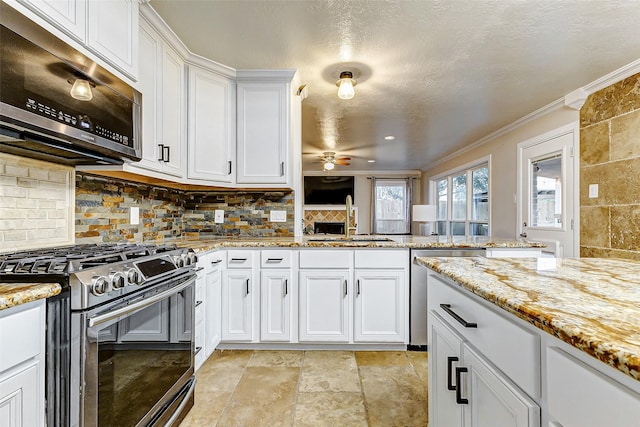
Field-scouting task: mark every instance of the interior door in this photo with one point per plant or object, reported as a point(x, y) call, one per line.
point(547, 180)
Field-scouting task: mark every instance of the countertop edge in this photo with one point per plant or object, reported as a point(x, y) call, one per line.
point(14, 294)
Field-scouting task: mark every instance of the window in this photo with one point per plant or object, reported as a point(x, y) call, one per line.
point(391, 201)
point(462, 202)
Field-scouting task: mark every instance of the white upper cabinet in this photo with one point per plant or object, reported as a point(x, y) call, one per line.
point(264, 128)
point(211, 126)
point(162, 87)
point(107, 28)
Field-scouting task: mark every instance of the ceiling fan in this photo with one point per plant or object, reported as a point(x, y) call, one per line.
point(329, 160)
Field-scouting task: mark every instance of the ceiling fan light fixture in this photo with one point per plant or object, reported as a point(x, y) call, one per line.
point(345, 85)
point(328, 166)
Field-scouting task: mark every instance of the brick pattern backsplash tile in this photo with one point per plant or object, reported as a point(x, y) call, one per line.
point(610, 157)
point(36, 203)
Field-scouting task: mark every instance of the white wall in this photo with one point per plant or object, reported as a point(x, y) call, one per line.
point(503, 179)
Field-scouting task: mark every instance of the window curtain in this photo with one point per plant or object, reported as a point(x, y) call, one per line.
point(391, 205)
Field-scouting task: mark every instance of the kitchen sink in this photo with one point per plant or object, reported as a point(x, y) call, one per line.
point(351, 239)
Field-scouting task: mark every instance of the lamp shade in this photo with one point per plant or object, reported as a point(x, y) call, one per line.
point(81, 90)
point(424, 213)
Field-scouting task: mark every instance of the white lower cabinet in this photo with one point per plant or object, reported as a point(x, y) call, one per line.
point(275, 305)
point(237, 305)
point(22, 370)
point(379, 311)
point(324, 306)
point(213, 301)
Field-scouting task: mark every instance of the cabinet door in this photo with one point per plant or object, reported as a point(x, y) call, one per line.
point(380, 306)
point(113, 33)
point(150, 54)
point(19, 398)
point(171, 112)
point(237, 306)
point(212, 120)
point(213, 311)
point(275, 306)
point(324, 306)
point(68, 15)
point(493, 401)
point(445, 355)
point(263, 133)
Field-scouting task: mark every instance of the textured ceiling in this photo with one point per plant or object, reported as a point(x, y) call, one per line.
point(438, 75)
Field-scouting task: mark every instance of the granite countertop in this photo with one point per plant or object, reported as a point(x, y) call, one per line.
point(12, 294)
point(591, 303)
point(357, 241)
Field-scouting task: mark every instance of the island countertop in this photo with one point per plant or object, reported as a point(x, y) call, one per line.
point(592, 304)
point(200, 244)
point(12, 294)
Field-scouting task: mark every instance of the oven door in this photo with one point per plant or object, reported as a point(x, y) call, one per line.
point(135, 357)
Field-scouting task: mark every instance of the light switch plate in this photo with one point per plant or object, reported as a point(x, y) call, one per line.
point(134, 215)
point(593, 191)
point(218, 216)
point(278, 216)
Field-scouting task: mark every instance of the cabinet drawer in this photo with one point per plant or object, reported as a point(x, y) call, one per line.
point(20, 333)
point(216, 260)
point(321, 258)
point(508, 345)
point(239, 259)
point(594, 400)
point(377, 258)
point(275, 259)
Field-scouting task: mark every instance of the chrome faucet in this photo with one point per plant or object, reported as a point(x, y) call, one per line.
point(347, 222)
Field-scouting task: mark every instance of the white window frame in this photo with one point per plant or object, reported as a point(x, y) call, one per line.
point(448, 175)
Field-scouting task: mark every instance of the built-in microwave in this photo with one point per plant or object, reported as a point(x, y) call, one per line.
point(56, 104)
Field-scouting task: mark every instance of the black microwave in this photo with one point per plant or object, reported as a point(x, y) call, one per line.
point(58, 105)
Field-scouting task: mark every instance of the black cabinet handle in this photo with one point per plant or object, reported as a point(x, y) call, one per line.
point(197, 350)
point(218, 261)
point(161, 146)
point(447, 308)
point(229, 168)
point(450, 361)
point(247, 286)
point(238, 260)
point(459, 399)
point(286, 287)
point(358, 286)
point(282, 169)
point(272, 260)
point(198, 303)
point(345, 288)
point(166, 147)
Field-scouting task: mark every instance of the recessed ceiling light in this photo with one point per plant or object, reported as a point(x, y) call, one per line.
point(389, 137)
point(371, 161)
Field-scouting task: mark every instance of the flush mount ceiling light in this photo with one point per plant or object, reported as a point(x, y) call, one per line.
point(81, 89)
point(345, 85)
point(328, 166)
point(329, 160)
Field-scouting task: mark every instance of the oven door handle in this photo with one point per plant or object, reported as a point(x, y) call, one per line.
point(98, 320)
point(184, 402)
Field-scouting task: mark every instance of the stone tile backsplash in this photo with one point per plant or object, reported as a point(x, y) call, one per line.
point(103, 206)
point(610, 157)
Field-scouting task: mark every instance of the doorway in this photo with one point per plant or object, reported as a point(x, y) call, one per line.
point(548, 191)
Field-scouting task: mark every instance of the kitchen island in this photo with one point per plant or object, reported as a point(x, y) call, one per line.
point(562, 335)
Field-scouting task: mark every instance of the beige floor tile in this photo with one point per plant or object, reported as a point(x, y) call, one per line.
point(207, 409)
point(330, 409)
point(419, 360)
point(228, 357)
point(394, 396)
point(222, 378)
point(288, 359)
point(265, 396)
point(329, 371)
point(382, 358)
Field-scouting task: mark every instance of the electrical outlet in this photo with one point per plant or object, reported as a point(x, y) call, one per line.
point(278, 216)
point(134, 215)
point(593, 191)
point(218, 216)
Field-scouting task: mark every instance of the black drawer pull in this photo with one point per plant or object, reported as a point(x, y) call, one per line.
point(459, 399)
point(450, 361)
point(198, 303)
point(447, 308)
point(197, 350)
point(216, 262)
point(274, 259)
point(238, 260)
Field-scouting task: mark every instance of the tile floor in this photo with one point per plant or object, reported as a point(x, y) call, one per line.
point(311, 388)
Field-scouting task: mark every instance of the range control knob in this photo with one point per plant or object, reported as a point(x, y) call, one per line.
point(99, 285)
point(179, 260)
point(133, 277)
point(117, 280)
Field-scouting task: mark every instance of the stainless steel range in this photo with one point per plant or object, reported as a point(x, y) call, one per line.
point(120, 342)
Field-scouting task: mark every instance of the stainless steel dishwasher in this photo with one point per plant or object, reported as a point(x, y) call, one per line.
point(418, 292)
